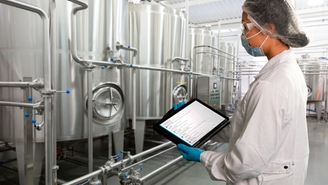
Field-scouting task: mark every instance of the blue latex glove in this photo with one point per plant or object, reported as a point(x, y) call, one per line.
point(190, 153)
point(178, 105)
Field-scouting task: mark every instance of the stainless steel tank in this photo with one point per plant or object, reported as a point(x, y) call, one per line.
point(98, 29)
point(226, 70)
point(314, 80)
point(158, 34)
point(205, 58)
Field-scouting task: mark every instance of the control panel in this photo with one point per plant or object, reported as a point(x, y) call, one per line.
point(208, 90)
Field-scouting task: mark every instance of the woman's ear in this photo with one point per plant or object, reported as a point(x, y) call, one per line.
point(271, 28)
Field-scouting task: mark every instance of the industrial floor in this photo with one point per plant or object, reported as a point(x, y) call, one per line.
point(75, 164)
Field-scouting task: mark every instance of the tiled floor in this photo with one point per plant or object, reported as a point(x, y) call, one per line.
point(182, 172)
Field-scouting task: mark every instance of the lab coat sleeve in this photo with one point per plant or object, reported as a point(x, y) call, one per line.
point(223, 135)
point(262, 122)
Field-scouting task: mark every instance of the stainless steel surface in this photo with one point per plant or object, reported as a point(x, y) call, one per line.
point(18, 104)
point(208, 90)
point(24, 145)
point(148, 158)
point(21, 55)
point(21, 84)
point(315, 78)
point(90, 123)
point(117, 164)
point(227, 65)
point(160, 169)
point(158, 33)
point(202, 63)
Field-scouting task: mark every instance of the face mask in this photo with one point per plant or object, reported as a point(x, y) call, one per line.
point(256, 52)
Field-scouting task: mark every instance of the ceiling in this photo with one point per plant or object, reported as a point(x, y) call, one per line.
point(209, 12)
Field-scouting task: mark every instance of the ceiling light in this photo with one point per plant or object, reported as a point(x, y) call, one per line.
point(315, 2)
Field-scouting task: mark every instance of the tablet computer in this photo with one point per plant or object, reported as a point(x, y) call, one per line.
point(192, 124)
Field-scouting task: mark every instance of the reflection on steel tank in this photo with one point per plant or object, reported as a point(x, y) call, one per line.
point(159, 34)
point(313, 70)
point(98, 29)
point(203, 59)
point(226, 69)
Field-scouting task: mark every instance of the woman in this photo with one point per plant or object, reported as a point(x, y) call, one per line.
point(268, 135)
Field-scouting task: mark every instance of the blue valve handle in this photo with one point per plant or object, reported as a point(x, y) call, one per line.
point(33, 121)
point(102, 67)
point(68, 91)
point(30, 98)
point(140, 168)
point(125, 175)
point(26, 115)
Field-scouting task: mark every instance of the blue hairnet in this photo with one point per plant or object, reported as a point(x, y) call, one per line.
point(265, 13)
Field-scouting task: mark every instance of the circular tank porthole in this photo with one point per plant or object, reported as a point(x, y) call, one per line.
point(108, 104)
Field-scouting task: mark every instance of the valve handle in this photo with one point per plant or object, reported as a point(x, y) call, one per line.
point(30, 98)
point(33, 121)
point(26, 115)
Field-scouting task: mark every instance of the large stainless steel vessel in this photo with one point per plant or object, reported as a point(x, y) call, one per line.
point(205, 58)
point(226, 69)
point(314, 80)
point(158, 33)
point(98, 29)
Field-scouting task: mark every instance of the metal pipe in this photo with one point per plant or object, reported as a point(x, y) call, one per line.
point(180, 58)
point(128, 48)
point(22, 84)
point(19, 104)
point(101, 63)
point(134, 97)
point(82, 6)
point(217, 49)
point(117, 164)
point(53, 154)
point(152, 150)
point(90, 123)
point(160, 169)
point(47, 82)
point(84, 178)
point(151, 157)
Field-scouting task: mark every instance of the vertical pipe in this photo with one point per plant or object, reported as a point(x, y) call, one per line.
point(48, 140)
point(134, 97)
point(188, 52)
point(219, 35)
point(28, 137)
point(52, 10)
point(90, 124)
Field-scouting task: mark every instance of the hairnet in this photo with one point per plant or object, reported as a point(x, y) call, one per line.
point(279, 13)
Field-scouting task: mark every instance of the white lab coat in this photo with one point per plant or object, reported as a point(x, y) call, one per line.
point(268, 136)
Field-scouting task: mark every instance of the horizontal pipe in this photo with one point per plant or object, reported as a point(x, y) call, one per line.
point(117, 164)
point(217, 49)
point(102, 63)
point(160, 169)
point(151, 157)
point(84, 178)
point(180, 58)
point(152, 150)
point(21, 84)
point(19, 104)
point(128, 48)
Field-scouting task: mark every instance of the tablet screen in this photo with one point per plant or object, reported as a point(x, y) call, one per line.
point(192, 123)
